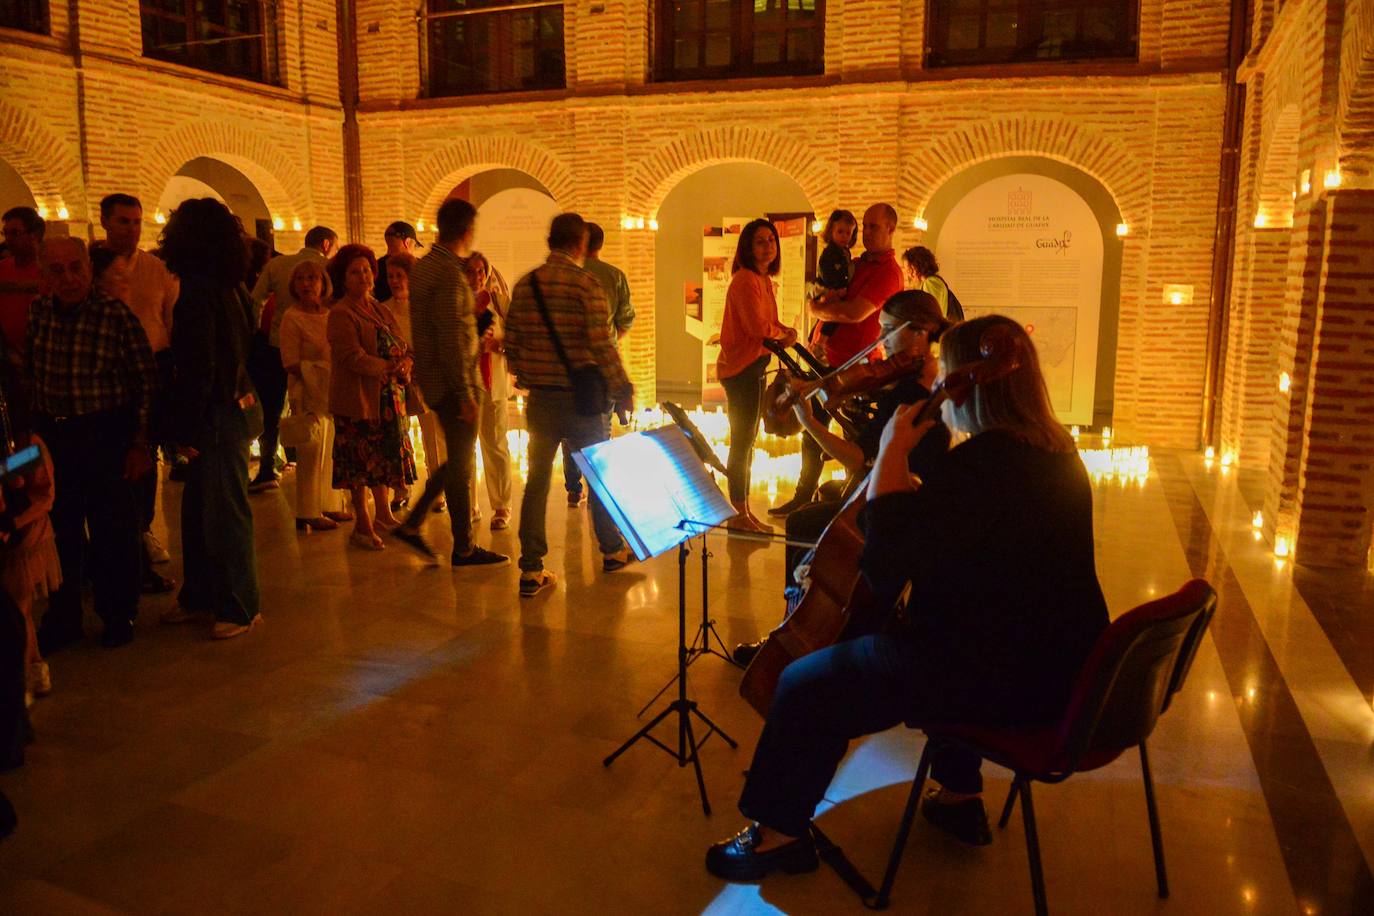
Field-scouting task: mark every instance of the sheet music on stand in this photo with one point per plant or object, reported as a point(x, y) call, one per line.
point(651, 483)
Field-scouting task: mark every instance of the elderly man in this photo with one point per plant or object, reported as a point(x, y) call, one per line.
point(153, 290)
point(272, 296)
point(92, 378)
point(559, 321)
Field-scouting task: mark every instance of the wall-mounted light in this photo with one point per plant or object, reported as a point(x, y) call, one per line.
point(295, 225)
point(1228, 459)
point(627, 222)
point(420, 225)
point(1257, 521)
point(817, 227)
point(1178, 294)
point(1285, 382)
point(278, 223)
point(160, 218)
point(653, 225)
point(1210, 454)
point(920, 223)
point(1122, 230)
point(1261, 220)
point(62, 213)
point(42, 211)
point(1332, 178)
point(1306, 183)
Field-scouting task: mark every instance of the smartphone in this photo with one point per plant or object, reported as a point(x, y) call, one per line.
point(20, 461)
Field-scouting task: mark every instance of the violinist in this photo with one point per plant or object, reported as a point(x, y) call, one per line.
point(1004, 607)
point(751, 316)
point(924, 325)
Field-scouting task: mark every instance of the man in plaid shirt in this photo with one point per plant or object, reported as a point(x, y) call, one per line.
point(92, 379)
point(576, 306)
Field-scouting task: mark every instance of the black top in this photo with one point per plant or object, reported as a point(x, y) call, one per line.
point(1005, 603)
point(381, 285)
point(212, 328)
point(931, 449)
point(835, 267)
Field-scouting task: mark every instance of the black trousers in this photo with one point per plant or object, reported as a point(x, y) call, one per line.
point(452, 478)
point(91, 493)
point(217, 544)
point(813, 457)
point(13, 717)
point(825, 700)
point(743, 394)
point(269, 379)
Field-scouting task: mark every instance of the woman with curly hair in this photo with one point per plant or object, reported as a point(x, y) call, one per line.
point(367, 395)
point(216, 415)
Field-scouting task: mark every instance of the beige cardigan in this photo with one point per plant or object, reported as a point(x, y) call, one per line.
point(355, 383)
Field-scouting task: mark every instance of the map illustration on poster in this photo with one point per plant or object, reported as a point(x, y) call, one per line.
point(1029, 247)
point(513, 230)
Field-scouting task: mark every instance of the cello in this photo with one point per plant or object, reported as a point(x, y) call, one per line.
point(838, 603)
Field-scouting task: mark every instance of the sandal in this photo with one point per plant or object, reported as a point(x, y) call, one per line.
point(366, 541)
point(316, 524)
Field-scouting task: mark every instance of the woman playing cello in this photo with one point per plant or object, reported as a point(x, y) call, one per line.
point(997, 546)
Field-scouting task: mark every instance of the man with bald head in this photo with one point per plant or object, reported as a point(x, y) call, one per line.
point(92, 380)
point(877, 277)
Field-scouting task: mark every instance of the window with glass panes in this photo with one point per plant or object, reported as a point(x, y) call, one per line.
point(24, 15)
point(1010, 31)
point(479, 46)
point(224, 36)
point(713, 39)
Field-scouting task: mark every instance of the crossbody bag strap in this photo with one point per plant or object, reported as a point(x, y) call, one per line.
point(548, 323)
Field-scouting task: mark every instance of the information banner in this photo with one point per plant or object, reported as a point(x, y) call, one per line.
point(513, 230)
point(1029, 247)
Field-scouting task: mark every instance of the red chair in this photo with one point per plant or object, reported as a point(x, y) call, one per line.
point(1136, 667)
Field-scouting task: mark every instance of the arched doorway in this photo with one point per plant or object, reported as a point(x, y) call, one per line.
point(1035, 239)
point(206, 176)
point(513, 214)
point(698, 225)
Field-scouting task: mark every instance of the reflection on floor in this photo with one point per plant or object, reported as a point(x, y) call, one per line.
point(401, 738)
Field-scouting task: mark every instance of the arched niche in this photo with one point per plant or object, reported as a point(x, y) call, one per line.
point(998, 228)
point(206, 176)
point(514, 210)
point(705, 198)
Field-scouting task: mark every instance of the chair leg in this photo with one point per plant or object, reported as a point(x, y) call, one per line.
point(1033, 848)
point(1007, 808)
point(1156, 836)
point(881, 901)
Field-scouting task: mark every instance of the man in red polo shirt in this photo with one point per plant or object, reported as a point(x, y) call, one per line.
point(877, 276)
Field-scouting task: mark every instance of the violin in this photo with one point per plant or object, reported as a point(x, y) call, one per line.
point(778, 420)
point(838, 603)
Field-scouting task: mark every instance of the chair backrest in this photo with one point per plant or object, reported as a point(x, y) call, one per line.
point(1188, 651)
point(1136, 665)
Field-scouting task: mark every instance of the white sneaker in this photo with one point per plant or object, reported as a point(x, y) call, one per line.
point(156, 552)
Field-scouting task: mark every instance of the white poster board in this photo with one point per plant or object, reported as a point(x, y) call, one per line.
point(513, 230)
point(1029, 247)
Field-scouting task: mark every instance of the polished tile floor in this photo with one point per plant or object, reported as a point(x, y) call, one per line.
point(401, 738)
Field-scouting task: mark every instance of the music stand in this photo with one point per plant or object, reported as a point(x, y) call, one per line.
point(655, 488)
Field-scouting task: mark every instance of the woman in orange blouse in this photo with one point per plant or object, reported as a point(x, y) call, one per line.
point(751, 317)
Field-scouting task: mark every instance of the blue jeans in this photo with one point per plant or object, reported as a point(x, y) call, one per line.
point(825, 700)
point(551, 418)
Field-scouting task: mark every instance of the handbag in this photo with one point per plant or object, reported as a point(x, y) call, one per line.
point(588, 384)
point(299, 430)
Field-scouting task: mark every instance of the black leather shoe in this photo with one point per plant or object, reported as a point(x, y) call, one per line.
point(736, 860)
point(966, 821)
point(157, 584)
point(117, 634)
point(787, 508)
point(744, 653)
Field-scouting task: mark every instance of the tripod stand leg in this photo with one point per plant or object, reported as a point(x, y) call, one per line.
point(714, 727)
point(691, 741)
point(642, 733)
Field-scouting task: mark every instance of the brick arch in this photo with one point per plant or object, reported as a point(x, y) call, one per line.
point(660, 172)
point(441, 171)
point(927, 169)
point(1278, 173)
point(43, 160)
point(281, 183)
point(1355, 108)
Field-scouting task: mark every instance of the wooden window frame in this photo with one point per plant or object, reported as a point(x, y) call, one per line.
point(493, 9)
point(742, 35)
point(1029, 13)
point(31, 16)
point(196, 23)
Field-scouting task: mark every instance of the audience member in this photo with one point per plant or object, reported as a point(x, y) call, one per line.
point(370, 366)
point(92, 379)
point(29, 565)
point(617, 289)
point(559, 323)
point(305, 356)
point(20, 276)
point(442, 312)
point(400, 239)
point(398, 267)
point(216, 415)
point(272, 296)
point(492, 304)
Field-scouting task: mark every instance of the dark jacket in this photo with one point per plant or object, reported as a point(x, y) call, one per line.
point(213, 401)
point(1005, 604)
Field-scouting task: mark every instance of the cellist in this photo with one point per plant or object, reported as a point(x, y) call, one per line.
point(924, 323)
point(1004, 607)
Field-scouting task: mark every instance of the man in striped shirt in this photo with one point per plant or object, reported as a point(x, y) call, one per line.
point(443, 324)
point(560, 293)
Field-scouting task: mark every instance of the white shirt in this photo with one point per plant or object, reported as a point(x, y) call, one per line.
point(153, 292)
